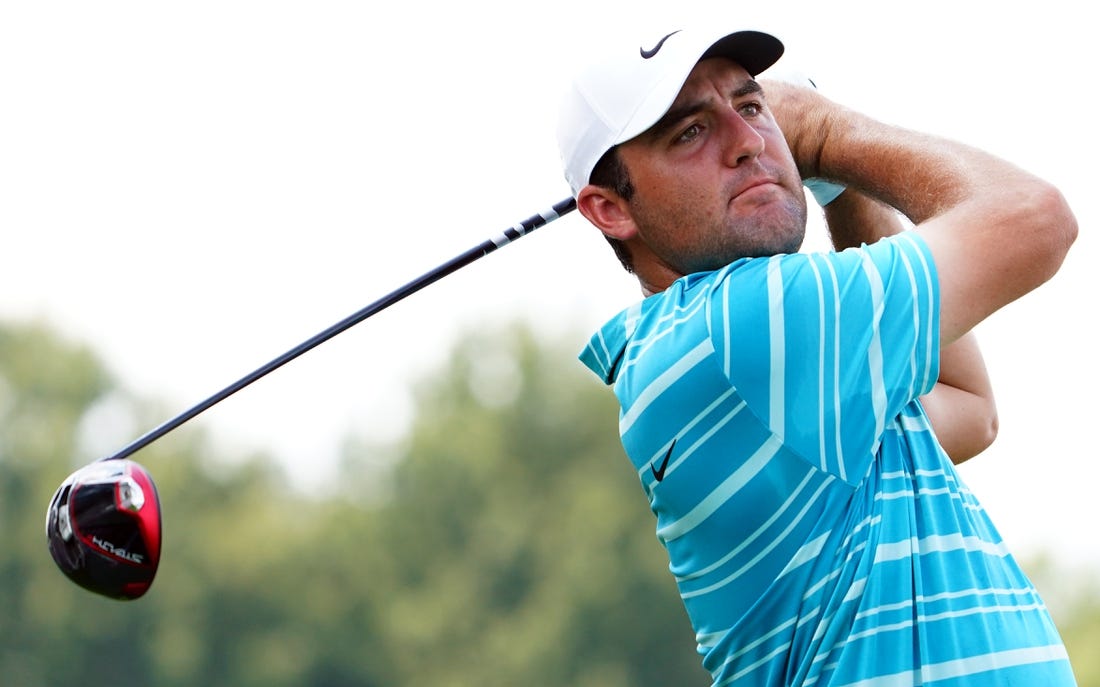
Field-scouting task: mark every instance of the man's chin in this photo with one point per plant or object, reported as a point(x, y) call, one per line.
point(719, 257)
point(781, 229)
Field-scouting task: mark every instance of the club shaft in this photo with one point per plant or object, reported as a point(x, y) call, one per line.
point(509, 235)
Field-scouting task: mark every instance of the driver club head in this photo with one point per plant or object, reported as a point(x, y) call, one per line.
point(103, 527)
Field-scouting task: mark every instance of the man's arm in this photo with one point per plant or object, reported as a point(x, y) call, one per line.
point(995, 231)
point(960, 406)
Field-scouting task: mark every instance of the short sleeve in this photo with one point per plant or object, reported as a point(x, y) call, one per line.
point(827, 348)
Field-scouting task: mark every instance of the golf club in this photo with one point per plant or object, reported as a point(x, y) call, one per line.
point(103, 525)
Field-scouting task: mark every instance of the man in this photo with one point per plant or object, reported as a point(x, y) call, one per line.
point(788, 413)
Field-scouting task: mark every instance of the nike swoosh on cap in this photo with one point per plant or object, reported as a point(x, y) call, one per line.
point(646, 54)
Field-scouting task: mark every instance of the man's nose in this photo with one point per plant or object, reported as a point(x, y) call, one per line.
point(742, 141)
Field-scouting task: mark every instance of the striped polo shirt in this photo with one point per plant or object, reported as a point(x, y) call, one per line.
point(816, 530)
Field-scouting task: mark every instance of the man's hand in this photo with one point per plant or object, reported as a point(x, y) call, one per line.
point(802, 115)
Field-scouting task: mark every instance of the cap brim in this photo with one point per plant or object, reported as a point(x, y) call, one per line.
point(753, 50)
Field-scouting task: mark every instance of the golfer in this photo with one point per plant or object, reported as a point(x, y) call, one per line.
point(793, 417)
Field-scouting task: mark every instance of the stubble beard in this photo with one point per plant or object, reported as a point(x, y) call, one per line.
point(779, 230)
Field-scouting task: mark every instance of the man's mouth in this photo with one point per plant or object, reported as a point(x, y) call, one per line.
point(754, 186)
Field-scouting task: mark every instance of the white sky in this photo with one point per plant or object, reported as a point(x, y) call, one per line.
point(194, 188)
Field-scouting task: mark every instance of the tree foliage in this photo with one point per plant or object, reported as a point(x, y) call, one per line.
point(504, 541)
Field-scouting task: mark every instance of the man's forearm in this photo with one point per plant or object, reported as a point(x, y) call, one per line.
point(994, 231)
point(854, 219)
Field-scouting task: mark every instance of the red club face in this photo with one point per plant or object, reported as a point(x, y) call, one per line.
point(104, 528)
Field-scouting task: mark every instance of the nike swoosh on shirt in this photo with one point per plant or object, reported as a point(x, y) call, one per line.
point(659, 472)
point(646, 54)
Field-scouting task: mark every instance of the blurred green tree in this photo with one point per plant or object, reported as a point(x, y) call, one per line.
point(499, 544)
point(513, 532)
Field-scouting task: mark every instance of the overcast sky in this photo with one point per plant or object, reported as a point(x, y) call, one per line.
point(194, 188)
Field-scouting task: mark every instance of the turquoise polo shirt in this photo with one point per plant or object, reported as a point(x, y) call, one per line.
point(816, 530)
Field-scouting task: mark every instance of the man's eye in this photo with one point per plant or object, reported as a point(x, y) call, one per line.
point(689, 134)
point(751, 109)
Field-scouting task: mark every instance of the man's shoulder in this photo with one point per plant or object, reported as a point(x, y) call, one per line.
point(605, 347)
point(647, 321)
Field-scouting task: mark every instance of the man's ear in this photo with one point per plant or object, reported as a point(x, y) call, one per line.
point(608, 211)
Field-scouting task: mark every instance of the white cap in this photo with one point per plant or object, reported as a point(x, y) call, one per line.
point(613, 100)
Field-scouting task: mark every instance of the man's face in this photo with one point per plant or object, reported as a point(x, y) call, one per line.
point(714, 180)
